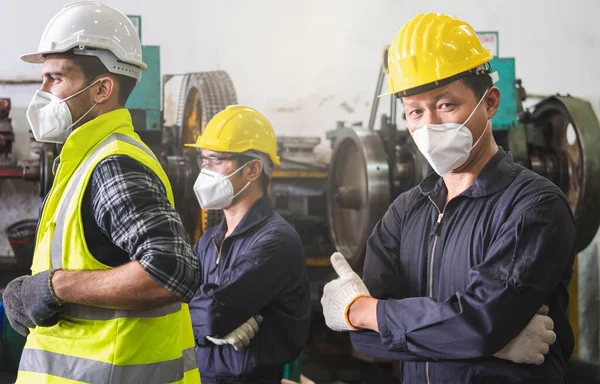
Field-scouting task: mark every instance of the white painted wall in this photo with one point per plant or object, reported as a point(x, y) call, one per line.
point(299, 62)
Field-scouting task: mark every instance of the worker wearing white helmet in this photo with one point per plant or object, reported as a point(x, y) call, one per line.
point(112, 270)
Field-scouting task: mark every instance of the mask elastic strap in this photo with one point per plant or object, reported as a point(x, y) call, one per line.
point(245, 186)
point(477, 106)
point(83, 90)
point(82, 116)
point(237, 170)
point(240, 191)
point(480, 136)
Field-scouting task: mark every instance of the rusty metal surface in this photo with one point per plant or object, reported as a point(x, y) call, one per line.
point(18, 200)
point(200, 96)
point(7, 136)
point(190, 101)
point(564, 145)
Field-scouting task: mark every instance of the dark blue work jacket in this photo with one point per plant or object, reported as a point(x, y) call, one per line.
point(259, 269)
point(459, 281)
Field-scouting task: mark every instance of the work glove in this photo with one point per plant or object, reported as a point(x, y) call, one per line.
point(13, 307)
point(533, 342)
point(39, 301)
point(241, 336)
point(340, 294)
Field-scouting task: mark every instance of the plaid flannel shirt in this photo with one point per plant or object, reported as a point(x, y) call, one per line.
point(127, 216)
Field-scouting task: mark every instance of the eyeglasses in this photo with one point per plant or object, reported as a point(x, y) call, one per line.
point(213, 161)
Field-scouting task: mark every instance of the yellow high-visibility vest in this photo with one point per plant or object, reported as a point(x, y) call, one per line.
point(92, 344)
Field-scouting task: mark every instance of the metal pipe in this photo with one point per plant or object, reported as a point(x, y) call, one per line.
point(375, 105)
point(11, 173)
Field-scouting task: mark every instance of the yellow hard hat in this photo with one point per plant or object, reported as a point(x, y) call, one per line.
point(430, 48)
point(238, 129)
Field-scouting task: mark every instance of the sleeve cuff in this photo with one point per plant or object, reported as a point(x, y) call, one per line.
point(393, 340)
point(347, 312)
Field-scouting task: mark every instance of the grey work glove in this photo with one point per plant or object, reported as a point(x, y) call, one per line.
point(241, 336)
point(39, 301)
point(13, 307)
point(533, 342)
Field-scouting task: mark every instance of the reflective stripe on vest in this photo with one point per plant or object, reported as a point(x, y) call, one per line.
point(56, 248)
point(92, 371)
point(87, 312)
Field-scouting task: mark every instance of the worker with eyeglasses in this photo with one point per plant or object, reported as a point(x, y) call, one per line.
point(252, 264)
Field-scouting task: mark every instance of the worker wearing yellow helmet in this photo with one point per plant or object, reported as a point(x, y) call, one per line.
point(465, 277)
point(253, 266)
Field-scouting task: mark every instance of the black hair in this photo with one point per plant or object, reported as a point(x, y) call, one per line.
point(478, 84)
point(92, 68)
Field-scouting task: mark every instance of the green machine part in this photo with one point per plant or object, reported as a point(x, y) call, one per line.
point(506, 116)
point(144, 101)
point(292, 371)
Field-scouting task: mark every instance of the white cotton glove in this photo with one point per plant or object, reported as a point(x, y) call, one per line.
point(533, 342)
point(241, 336)
point(340, 294)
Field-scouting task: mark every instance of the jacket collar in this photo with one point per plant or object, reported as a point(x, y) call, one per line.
point(497, 174)
point(258, 212)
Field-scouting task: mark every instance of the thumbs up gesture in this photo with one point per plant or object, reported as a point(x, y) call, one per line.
point(340, 294)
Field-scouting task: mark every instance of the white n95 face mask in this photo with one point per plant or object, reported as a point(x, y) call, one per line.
point(215, 191)
point(50, 118)
point(447, 146)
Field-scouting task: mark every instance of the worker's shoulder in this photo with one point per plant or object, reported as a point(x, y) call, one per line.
point(528, 182)
point(121, 164)
point(529, 189)
point(276, 228)
point(408, 199)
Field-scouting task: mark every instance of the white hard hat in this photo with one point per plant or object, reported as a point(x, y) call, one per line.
point(93, 29)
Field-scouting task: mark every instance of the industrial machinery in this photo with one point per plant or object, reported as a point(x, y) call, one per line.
point(299, 194)
point(10, 167)
point(7, 137)
point(558, 137)
point(298, 190)
point(190, 101)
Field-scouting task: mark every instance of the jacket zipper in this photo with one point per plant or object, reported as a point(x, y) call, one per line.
point(219, 249)
point(435, 239)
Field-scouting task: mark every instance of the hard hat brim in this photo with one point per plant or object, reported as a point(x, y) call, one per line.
point(385, 94)
point(38, 57)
